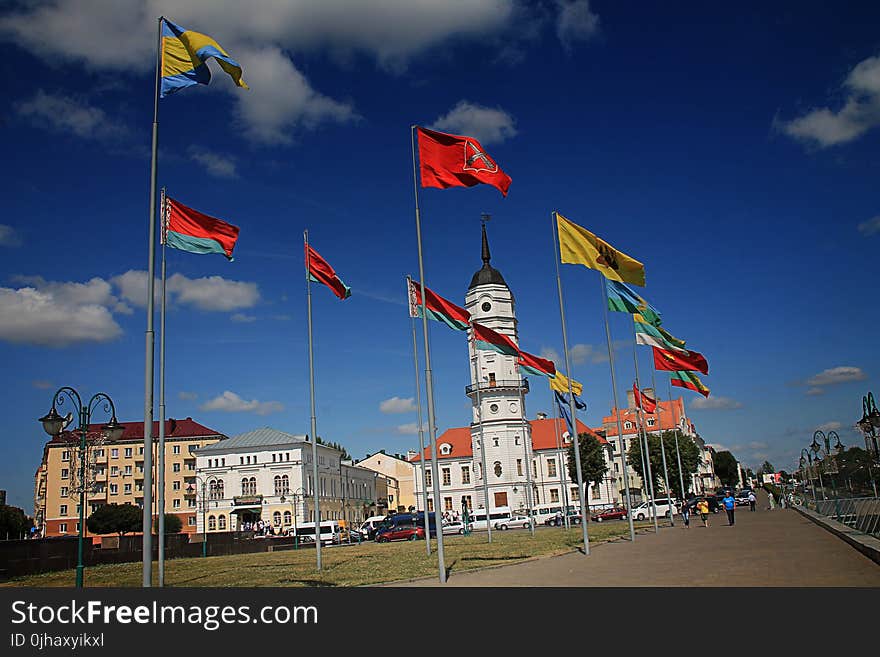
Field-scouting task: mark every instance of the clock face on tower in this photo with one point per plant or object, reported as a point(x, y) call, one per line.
point(486, 306)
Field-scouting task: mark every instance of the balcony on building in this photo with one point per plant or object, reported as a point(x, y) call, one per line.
point(497, 386)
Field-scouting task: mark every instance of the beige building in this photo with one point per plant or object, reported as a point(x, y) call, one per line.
point(399, 474)
point(115, 474)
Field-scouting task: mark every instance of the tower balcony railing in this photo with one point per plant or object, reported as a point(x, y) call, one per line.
point(489, 386)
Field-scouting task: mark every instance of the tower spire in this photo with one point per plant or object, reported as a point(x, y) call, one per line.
point(487, 275)
point(486, 255)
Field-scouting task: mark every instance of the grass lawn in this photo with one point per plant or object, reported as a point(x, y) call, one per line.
point(355, 565)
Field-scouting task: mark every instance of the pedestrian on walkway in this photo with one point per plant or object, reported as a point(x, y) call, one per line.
point(686, 515)
point(752, 500)
point(729, 502)
point(771, 500)
point(703, 509)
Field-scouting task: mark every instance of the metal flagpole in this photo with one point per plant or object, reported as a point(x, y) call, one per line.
point(429, 383)
point(563, 464)
point(483, 471)
point(629, 508)
point(527, 441)
point(582, 494)
point(412, 322)
point(641, 418)
point(663, 449)
point(160, 466)
point(150, 334)
point(677, 453)
point(314, 427)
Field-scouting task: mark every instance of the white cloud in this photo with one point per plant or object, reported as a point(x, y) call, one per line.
point(70, 115)
point(551, 354)
point(867, 228)
point(829, 426)
point(9, 236)
point(41, 384)
point(715, 403)
point(815, 391)
point(488, 125)
point(187, 396)
point(575, 22)
point(826, 127)
point(220, 166)
point(835, 375)
point(58, 314)
point(243, 318)
point(398, 405)
point(212, 293)
point(581, 353)
point(231, 403)
point(411, 428)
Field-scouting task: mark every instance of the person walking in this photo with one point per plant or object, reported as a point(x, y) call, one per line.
point(729, 505)
point(752, 500)
point(771, 500)
point(703, 510)
point(686, 515)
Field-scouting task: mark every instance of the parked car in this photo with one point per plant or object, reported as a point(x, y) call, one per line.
point(400, 533)
point(514, 522)
point(664, 509)
point(714, 505)
point(559, 521)
point(455, 527)
point(615, 513)
point(742, 498)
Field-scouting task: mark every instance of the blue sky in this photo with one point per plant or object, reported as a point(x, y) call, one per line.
point(734, 152)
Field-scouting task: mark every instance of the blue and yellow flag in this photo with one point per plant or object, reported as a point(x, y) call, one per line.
point(184, 59)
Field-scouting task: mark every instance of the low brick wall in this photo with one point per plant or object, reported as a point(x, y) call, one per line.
point(28, 557)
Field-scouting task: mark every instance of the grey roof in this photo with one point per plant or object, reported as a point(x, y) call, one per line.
point(488, 275)
point(264, 437)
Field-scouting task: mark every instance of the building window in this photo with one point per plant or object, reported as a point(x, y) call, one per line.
point(287, 517)
point(627, 425)
point(176, 467)
point(465, 474)
point(575, 494)
point(212, 523)
point(127, 490)
point(175, 449)
point(428, 478)
point(175, 485)
point(223, 462)
point(62, 527)
point(276, 518)
point(62, 510)
point(554, 495)
point(616, 468)
point(447, 504)
point(114, 470)
point(64, 491)
point(128, 452)
point(497, 467)
point(447, 479)
point(430, 504)
point(114, 489)
point(285, 484)
point(495, 440)
point(114, 453)
point(466, 502)
point(140, 451)
point(175, 504)
point(65, 473)
point(191, 521)
point(651, 422)
point(596, 491)
point(551, 468)
point(65, 455)
point(519, 470)
point(128, 470)
point(277, 481)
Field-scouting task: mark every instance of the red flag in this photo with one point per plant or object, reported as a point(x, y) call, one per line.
point(320, 271)
point(643, 401)
point(678, 362)
point(456, 161)
point(439, 308)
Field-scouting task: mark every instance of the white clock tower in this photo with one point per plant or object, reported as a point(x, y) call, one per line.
point(497, 392)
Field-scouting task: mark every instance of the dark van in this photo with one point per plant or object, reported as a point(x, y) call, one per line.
point(403, 519)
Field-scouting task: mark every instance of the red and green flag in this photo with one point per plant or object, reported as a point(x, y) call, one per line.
point(690, 381)
point(190, 230)
point(438, 308)
point(675, 361)
point(486, 338)
point(531, 364)
point(320, 271)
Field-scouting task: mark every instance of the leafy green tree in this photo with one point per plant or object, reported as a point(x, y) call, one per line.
point(173, 524)
point(593, 464)
point(854, 471)
point(14, 523)
point(115, 518)
point(767, 468)
point(690, 460)
point(725, 467)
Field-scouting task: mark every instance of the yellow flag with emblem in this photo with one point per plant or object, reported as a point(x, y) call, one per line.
point(559, 383)
point(578, 246)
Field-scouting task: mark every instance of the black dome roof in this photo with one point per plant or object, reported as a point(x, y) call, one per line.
point(487, 275)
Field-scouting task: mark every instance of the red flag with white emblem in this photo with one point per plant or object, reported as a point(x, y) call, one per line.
point(456, 161)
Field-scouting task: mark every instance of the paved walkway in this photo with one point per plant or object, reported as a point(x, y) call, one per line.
point(764, 548)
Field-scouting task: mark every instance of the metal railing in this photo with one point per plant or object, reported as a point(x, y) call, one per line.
point(859, 513)
point(494, 385)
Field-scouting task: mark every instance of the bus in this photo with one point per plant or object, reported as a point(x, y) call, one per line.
point(477, 517)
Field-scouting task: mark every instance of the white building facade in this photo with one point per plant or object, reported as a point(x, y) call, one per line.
point(267, 475)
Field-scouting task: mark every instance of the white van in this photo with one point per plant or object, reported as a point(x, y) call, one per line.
point(496, 516)
point(543, 514)
point(368, 528)
point(330, 532)
point(664, 508)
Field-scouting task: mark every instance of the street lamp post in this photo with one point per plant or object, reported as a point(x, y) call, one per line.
point(829, 461)
point(869, 424)
point(205, 482)
point(809, 462)
point(295, 497)
point(54, 424)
